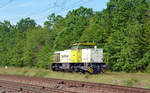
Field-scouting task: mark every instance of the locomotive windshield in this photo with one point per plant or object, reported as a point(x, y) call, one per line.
point(74, 47)
point(82, 47)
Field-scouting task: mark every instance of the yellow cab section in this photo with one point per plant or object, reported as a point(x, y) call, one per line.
point(76, 53)
point(76, 56)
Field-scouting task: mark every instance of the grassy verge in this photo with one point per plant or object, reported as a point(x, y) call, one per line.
point(117, 78)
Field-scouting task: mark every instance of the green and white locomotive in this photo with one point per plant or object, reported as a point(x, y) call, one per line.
point(83, 57)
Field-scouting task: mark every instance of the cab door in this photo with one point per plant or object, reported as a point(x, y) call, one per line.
point(76, 56)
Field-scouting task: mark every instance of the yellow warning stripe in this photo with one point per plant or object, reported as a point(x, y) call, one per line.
point(90, 69)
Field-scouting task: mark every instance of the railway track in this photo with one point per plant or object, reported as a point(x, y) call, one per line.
point(49, 85)
point(16, 87)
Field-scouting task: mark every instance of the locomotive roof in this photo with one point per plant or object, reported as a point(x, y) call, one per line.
point(86, 44)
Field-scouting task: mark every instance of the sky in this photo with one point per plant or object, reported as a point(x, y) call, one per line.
point(14, 10)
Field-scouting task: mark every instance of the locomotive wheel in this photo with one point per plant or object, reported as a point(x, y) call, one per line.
point(82, 71)
point(52, 67)
point(90, 70)
point(103, 70)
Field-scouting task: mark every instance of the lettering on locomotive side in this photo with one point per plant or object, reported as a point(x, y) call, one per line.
point(64, 56)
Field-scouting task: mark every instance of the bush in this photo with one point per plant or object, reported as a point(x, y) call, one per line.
point(130, 82)
point(41, 74)
point(87, 76)
point(148, 69)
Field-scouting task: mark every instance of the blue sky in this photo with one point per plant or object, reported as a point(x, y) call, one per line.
point(14, 10)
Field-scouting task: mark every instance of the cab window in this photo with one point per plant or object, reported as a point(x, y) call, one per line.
point(74, 47)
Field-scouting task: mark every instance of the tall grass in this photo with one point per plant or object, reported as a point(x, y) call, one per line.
point(117, 78)
point(131, 82)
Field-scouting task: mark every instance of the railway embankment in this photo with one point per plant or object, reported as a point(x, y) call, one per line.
point(24, 84)
point(140, 80)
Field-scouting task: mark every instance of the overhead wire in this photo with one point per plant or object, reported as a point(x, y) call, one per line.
point(44, 10)
point(58, 8)
point(54, 6)
point(73, 5)
point(61, 9)
point(10, 1)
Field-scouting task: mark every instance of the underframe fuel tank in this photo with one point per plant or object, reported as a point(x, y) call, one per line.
point(76, 56)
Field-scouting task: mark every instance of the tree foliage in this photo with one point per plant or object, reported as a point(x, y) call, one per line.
point(122, 30)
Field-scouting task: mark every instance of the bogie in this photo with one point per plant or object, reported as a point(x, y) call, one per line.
point(91, 68)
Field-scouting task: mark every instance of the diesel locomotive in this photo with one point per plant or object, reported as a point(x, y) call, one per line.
point(83, 57)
